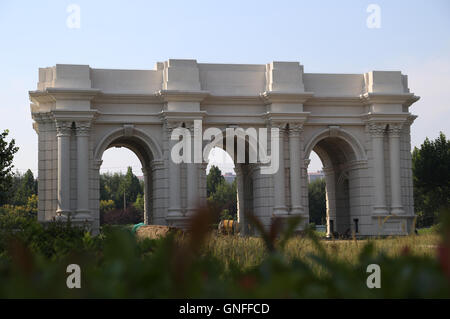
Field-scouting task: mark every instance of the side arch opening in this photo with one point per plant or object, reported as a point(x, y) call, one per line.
point(341, 156)
point(144, 148)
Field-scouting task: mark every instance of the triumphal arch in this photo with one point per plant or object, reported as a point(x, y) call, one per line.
point(358, 124)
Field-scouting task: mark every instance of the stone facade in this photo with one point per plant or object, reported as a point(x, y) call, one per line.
point(358, 124)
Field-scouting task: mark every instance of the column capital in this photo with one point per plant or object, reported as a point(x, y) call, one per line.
point(171, 125)
point(377, 129)
point(145, 170)
point(281, 125)
point(97, 164)
point(295, 129)
point(82, 128)
point(192, 127)
point(306, 162)
point(63, 128)
point(395, 129)
point(43, 118)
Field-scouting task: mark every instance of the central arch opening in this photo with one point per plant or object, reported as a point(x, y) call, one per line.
point(241, 177)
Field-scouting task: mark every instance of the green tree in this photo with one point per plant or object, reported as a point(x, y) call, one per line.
point(139, 203)
point(431, 177)
point(106, 205)
point(112, 187)
point(317, 201)
point(213, 179)
point(129, 186)
point(225, 197)
point(7, 151)
point(26, 188)
point(109, 186)
point(32, 204)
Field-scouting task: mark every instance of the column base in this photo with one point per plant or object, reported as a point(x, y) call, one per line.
point(83, 214)
point(390, 225)
point(398, 210)
point(279, 211)
point(298, 210)
point(76, 220)
point(380, 210)
point(190, 212)
point(174, 212)
point(178, 221)
point(62, 215)
point(285, 220)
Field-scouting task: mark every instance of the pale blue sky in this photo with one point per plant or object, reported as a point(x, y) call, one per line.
point(325, 36)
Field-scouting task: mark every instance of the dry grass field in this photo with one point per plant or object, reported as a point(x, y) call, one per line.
point(248, 252)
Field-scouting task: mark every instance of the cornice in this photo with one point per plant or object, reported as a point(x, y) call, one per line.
point(53, 94)
point(176, 116)
point(389, 98)
point(233, 100)
point(386, 117)
point(270, 97)
point(290, 117)
point(135, 98)
point(64, 115)
point(181, 96)
point(349, 100)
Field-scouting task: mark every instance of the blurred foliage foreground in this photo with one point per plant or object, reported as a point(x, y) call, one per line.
point(200, 264)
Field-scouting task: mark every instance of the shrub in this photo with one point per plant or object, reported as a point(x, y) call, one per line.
point(120, 217)
point(116, 265)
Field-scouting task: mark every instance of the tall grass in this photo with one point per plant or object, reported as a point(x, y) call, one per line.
point(248, 252)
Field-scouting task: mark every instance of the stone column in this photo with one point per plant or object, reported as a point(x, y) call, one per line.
point(96, 164)
point(82, 133)
point(279, 177)
point(192, 186)
point(158, 192)
point(174, 178)
point(330, 197)
point(295, 169)
point(377, 134)
point(240, 185)
point(147, 216)
point(394, 157)
point(63, 129)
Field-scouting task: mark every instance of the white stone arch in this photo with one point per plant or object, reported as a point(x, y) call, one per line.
point(277, 94)
point(109, 138)
point(342, 203)
point(352, 141)
point(144, 147)
point(220, 141)
point(245, 173)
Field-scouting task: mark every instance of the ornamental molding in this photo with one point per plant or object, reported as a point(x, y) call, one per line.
point(82, 128)
point(386, 98)
point(286, 117)
point(128, 130)
point(54, 94)
point(377, 129)
point(181, 96)
point(63, 128)
point(270, 97)
point(295, 129)
point(395, 129)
